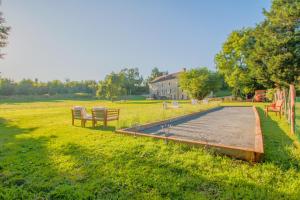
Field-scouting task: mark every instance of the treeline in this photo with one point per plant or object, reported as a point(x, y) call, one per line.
point(9, 87)
point(126, 82)
point(265, 56)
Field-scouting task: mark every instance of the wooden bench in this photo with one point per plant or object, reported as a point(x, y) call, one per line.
point(105, 115)
point(80, 113)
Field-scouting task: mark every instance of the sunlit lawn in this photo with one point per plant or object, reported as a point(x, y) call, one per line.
point(43, 156)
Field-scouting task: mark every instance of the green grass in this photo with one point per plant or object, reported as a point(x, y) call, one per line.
point(43, 157)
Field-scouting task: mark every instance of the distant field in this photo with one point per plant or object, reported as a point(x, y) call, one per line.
point(42, 156)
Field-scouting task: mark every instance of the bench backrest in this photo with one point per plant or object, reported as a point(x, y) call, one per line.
point(113, 113)
point(77, 112)
point(99, 113)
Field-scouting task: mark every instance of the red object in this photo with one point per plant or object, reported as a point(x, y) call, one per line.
point(274, 107)
point(260, 95)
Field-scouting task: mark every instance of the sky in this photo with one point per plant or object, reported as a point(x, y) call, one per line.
point(85, 40)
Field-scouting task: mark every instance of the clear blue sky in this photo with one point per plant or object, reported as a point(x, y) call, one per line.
point(77, 39)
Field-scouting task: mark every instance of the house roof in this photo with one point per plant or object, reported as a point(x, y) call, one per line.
point(165, 77)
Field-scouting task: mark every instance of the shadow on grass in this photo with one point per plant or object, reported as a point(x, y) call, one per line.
point(103, 128)
point(277, 144)
point(119, 172)
point(7, 129)
point(24, 162)
point(134, 171)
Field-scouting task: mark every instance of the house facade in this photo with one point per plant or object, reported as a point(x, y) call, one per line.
point(167, 86)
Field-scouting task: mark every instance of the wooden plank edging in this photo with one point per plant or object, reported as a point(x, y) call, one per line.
point(258, 145)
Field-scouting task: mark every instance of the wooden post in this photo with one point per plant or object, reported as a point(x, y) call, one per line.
point(72, 117)
point(292, 114)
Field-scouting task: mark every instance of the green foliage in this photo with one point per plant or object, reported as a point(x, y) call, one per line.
point(132, 80)
point(4, 31)
point(276, 55)
point(156, 73)
point(42, 156)
point(232, 62)
point(7, 86)
point(266, 55)
point(55, 87)
point(112, 87)
point(270, 94)
point(25, 87)
point(198, 83)
point(127, 82)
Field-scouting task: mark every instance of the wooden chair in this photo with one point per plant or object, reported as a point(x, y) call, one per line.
point(105, 115)
point(274, 107)
point(80, 113)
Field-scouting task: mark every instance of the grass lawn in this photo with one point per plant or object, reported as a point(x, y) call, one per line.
point(43, 157)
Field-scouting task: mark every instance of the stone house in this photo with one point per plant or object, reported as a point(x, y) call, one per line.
point(167, 86)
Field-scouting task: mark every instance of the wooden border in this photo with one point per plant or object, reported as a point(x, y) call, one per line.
point(249, 154)
point(258, 145)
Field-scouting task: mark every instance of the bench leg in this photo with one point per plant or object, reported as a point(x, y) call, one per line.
point(83, 123)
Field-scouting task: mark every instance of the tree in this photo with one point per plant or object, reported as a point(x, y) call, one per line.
point(156, 73)
point(112, 87)
point(4, 31)
point(276, 56)
point(132, 80)
point(56, 87)
point(126, 82)
point(25, 87)
point(266, 55)
point(7, 87)
point(233, 62)
point(198, 83)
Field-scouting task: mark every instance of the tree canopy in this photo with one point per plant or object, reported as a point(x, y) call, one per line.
point(4, 30)
point(199, 82)
point(127, 82)
point(156, 73)
point(266, 55)
point(34, 87)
